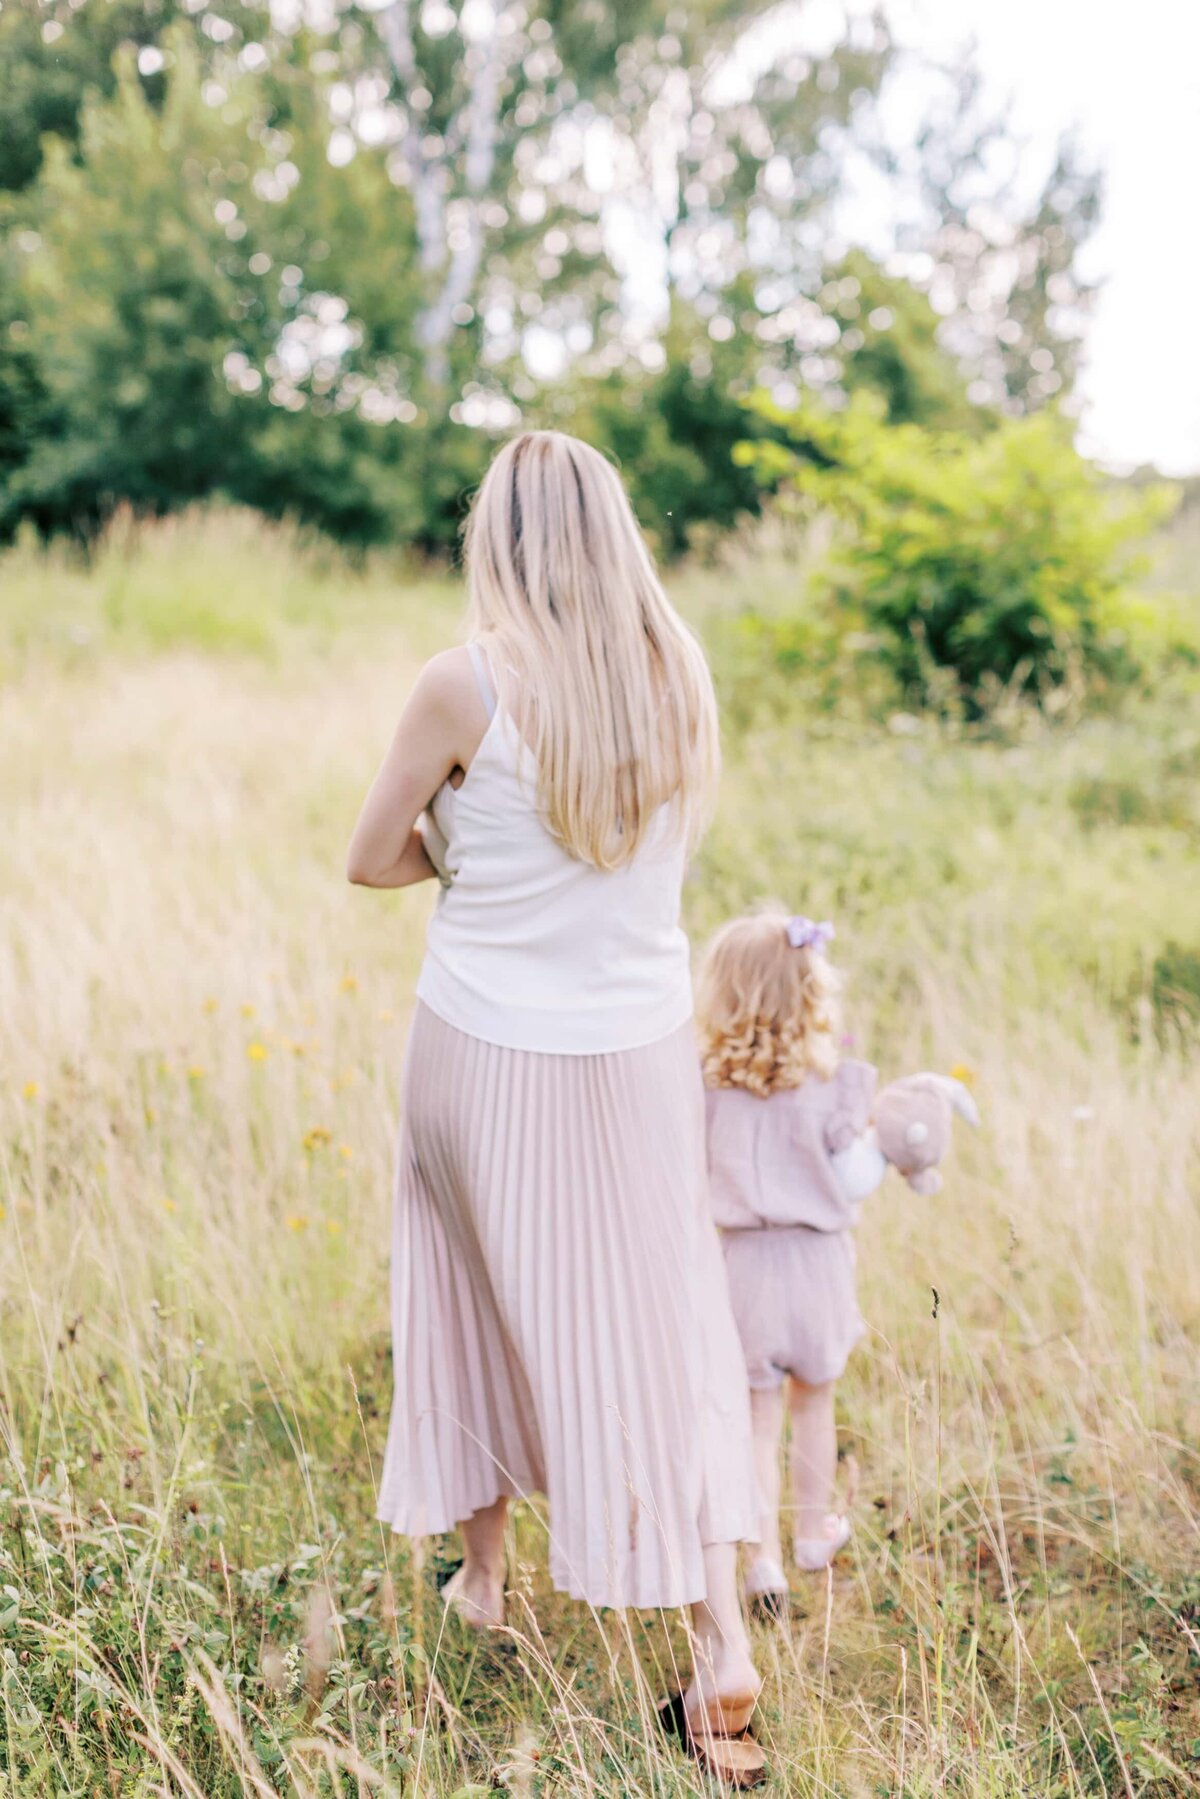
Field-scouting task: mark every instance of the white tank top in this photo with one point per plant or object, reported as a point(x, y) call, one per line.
point(531, 949)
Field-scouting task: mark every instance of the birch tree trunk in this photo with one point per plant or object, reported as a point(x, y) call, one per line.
point(455, 251)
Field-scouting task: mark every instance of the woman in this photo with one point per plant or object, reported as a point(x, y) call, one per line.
point(559, 1311)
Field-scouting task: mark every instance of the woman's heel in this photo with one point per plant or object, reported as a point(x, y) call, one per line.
point(473, 1615)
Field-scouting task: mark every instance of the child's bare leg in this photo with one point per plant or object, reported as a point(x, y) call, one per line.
point(813, 1457)
point(766, 1413)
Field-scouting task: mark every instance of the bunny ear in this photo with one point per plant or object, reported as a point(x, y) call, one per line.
point(955, 1092)
point(963, 1101)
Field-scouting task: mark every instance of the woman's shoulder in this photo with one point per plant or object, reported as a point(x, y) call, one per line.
point(450, 702)
point(448, 680)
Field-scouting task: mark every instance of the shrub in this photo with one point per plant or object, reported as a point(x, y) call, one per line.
point(1175, 991)
point(984, 564)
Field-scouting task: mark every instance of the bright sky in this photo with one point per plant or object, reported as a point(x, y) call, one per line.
point(1127, 74)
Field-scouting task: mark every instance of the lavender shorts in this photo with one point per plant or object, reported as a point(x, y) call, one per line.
point(794, 1302)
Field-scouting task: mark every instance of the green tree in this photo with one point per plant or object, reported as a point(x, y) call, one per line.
point(130, 297)
point(673, 431)
point(181, 351)
point(1003, 270)
point(890, 345)
point(489, 115)
point(24, 405)
point(1041, 336)
point(308, 266)
point(52, 56)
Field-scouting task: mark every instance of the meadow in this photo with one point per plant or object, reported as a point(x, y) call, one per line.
point(201, 1031)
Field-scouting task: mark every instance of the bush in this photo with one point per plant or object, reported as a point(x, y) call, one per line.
point(1175, 992)
point(984, 564)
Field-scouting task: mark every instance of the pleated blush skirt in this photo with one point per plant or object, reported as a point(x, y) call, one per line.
point(560, 1315)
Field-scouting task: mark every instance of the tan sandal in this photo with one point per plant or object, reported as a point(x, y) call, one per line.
point(729, 1755)
point(729, 1714)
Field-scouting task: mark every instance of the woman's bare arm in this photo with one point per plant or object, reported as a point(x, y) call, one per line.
point(440, 729)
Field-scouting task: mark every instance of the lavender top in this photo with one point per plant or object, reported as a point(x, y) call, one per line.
point(770, 1160)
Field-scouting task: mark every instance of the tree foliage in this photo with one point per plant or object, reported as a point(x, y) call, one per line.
point(1000, 263)
point(890, 346)
point(988, 562)
point(320, 266)
point(127, 294)
point(53, 57)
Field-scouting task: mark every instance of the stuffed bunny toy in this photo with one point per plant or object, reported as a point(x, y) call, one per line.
point(912, 1119)
point(436, 846)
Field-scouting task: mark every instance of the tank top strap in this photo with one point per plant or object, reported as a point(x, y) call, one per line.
point(483, 678)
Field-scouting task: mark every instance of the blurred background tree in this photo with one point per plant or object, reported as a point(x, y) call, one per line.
point(316, 259)
point(979, 567)
point(1000, 268)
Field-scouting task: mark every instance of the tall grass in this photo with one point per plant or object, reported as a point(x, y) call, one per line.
point(200, 1037)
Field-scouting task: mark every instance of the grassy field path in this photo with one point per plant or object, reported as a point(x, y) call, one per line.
point(201, 1031)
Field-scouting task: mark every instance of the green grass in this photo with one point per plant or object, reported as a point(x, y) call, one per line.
point(201, 1030)
point(217, 582)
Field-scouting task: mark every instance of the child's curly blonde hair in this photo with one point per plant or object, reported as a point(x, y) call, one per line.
point(768, 1014)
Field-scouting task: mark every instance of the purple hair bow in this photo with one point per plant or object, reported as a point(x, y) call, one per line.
point(803, 933)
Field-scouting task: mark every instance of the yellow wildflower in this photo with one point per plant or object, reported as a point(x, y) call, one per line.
point(257, 1052)
point(247, 1010)
point(316, 1137)
point(295, 1222)
point(210, 1005)
point(151, 1115)
point(195, 1072)
point(960, 1072)
point(333, 1227)
point(349, 983)
point(30, 1090)
point(169, 1205)
point(345, 1151)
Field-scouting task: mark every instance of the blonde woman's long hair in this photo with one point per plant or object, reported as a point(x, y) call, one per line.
point(768, 1015)
point(608, 686)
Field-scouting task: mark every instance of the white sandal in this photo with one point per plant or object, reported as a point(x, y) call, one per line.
point(765, 1575)
point(814, 1553)
point(767, 1588)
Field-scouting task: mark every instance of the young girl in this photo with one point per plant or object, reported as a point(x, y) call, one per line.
point(790, 1158)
